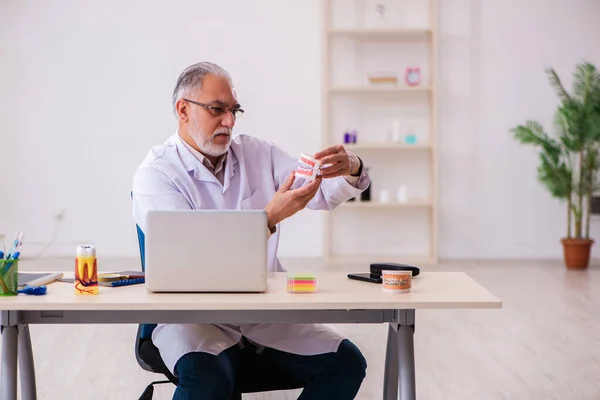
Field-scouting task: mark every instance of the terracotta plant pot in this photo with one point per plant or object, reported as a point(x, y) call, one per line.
point(577, 253)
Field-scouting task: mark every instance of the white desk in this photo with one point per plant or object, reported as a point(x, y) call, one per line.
point(338, 300)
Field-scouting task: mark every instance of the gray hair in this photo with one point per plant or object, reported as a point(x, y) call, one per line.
point(191, 78)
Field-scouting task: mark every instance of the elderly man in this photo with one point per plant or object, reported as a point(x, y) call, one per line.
point(203, 167)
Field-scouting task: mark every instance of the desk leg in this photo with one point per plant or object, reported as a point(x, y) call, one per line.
point(399, 374)
point(26, 364)
point(8, 373)
point(390, 378)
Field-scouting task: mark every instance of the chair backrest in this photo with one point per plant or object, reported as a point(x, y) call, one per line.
point(146, 329)
point(142, 246)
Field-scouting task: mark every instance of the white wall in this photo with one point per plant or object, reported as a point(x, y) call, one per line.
point(493, 59)
point(85, 91)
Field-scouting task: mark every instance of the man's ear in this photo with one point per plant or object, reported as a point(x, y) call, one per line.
point(182, 110)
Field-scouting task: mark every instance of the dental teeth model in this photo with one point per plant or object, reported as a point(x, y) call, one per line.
point(308, 167)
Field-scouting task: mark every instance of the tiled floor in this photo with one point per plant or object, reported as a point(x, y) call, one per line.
point(544, 344)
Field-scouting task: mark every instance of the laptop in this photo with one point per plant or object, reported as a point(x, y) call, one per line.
point(206, 251)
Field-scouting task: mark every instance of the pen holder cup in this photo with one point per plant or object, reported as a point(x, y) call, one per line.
point(9, 277)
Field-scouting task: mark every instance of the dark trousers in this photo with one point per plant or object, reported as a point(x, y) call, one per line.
point(330, 376)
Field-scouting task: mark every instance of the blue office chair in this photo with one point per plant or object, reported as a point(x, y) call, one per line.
point(252, 378)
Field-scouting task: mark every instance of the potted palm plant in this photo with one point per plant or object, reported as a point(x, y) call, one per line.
point(569, 159)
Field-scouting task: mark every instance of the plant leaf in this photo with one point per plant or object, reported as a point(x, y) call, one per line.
point(533, 133)
point(583, 80)
point(557, 84)
point(555, 176)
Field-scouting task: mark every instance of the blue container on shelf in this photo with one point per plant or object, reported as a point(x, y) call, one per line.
point(410, 139)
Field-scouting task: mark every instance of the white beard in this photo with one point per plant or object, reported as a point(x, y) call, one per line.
point(206, 145)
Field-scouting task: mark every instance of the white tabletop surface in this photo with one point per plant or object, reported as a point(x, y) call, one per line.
point(430, 290)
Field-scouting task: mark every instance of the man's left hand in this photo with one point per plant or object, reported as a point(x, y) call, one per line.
point(337, 161)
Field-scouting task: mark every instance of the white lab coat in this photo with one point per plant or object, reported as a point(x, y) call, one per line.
point(171, 177)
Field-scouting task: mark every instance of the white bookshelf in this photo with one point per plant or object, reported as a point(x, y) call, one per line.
point(357, 44)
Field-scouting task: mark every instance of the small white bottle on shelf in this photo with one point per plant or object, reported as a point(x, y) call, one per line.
point(384, 196)
point(402, 194)
point(395, 135)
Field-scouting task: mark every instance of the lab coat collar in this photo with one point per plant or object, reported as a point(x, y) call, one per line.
point(230, 167)
point(201, 173)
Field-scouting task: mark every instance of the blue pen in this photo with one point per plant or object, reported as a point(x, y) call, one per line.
point(9, 264)
point(6, 266)
point(13, 249)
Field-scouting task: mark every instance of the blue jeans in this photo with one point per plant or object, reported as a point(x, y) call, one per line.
point(327, 376)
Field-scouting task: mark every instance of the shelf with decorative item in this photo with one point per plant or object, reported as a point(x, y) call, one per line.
point(380, 89)
point(381, 33)
point(390, 204)
point(387, 146)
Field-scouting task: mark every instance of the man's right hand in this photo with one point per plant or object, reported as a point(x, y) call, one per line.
point(286, 202)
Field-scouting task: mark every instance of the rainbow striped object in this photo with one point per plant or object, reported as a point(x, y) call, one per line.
point(305, 283)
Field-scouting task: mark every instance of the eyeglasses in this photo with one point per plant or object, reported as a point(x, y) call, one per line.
point(217, 111)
